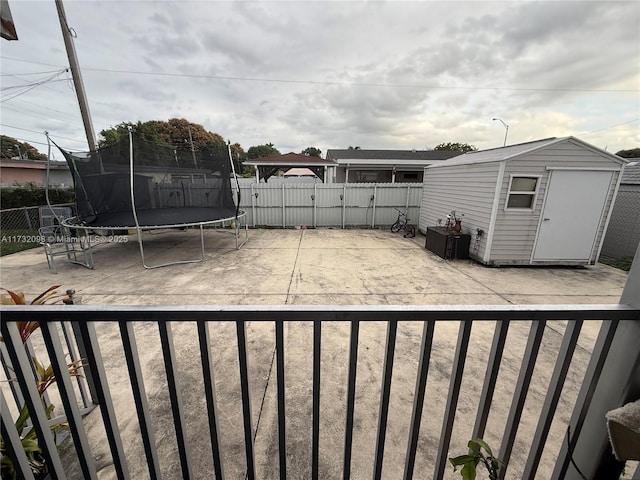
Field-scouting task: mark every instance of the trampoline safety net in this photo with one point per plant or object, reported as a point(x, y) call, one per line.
point(171, 185)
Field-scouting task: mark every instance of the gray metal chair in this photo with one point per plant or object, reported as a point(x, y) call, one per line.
point(59, 240)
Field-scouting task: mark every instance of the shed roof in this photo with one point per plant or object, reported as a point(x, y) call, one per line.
point(292, 159)
point(509, 152)
point(631, 174)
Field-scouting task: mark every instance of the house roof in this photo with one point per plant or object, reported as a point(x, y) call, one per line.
point(509, 152)
point(389, 157)
point(631, 174)
point(32, 164)
point(290, 159)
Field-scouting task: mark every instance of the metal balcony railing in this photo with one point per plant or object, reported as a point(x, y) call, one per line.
point(97, 330)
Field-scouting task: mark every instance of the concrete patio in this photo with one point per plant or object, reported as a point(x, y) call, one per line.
point(321, 267)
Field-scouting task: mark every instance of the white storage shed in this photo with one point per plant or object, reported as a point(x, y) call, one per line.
point(546, 202)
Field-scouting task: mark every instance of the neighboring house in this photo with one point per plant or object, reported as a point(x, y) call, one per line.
point(14, 172)
point(623, 233)
point(546, 202)
point(383, 166)
point(266, 167)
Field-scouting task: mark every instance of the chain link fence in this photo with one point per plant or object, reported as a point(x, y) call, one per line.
point(19, 227)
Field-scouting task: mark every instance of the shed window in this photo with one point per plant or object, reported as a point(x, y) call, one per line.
point(522, 192)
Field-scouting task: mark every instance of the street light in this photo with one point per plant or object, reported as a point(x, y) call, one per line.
point(506, 127)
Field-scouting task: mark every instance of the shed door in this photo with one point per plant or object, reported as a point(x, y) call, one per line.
point(572, 214)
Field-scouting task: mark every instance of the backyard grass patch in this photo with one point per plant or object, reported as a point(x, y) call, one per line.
point(623, 263)
point(12, 241)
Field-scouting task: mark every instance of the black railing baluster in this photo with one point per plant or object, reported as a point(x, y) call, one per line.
point(8, 371)
point(569, 342)
point(73, 355)
point(95, 365)
point(520, 393)
point(246, 398)
point(489, 385)
point(385, 393)
point(464, 334)
point(315, 436)
point(585, 395)
point(13, 442)
point(282, 424)
point(87, 339)
point(24, 376)
point(210, 394)
point(351, 398)
point(418, 399)
point(130, 348)
point(65, 388)
point(171, 369)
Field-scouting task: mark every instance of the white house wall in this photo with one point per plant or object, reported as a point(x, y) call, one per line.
point(467, 189)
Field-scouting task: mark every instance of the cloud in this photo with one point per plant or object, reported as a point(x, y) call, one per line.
point(452, 67)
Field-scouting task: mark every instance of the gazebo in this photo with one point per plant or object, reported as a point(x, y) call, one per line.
point(266, 167)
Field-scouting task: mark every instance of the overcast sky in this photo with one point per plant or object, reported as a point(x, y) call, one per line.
point(397, 75)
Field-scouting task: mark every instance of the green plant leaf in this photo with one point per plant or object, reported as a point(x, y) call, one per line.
point(484, 445)
point(462, 460)
point(30, 445)
point(468, 472)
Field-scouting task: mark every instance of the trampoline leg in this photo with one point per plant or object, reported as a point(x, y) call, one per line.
point(237, 235)
point(149, 267)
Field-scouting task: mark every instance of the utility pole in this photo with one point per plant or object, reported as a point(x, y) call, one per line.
point(77, 77)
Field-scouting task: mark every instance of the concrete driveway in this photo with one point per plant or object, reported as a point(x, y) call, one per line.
point(330, 267)
point(304, 267)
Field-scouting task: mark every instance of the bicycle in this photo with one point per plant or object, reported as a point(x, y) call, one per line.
point(402, 223)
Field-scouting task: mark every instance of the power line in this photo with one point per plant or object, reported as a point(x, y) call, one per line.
point(41, 143)
point(32, 113)
point(26, 74)
point(31, 86)
point(35, 131)
point(358, 84)
point(36, 82)
point(612, 126)
point(350, 84)
point(70, 115)
point(31, 61)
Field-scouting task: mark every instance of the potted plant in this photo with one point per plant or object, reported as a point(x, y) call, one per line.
point(45, 378)
point(470, 461)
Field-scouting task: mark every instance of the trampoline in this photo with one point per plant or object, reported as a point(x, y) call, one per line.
point(138, 185)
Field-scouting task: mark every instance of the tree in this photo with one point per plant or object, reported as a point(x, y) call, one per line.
point(353, 148)
point(312, 152)
point(12, 148)
point(174, 132)
point(456, 147)
point(259, 151)
point(632, 153)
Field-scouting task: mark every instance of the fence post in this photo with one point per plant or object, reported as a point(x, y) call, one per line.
point(284, 216)
point(26, 214)
point(406, 206)
point(253, 206)
point(315, 203)
point(344, 204)
point(375, 199)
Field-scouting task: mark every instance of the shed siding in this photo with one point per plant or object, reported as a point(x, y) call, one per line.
point(467, 189)
point(515, 231)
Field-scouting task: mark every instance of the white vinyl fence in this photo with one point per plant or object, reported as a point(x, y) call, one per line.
point(287, 205)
